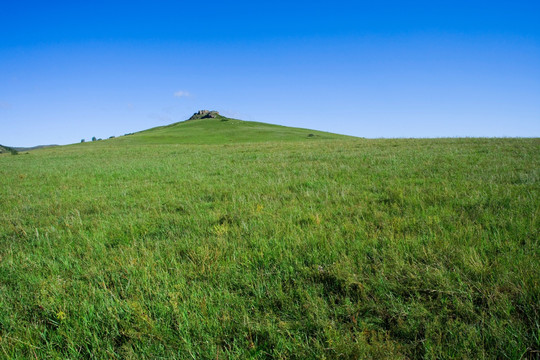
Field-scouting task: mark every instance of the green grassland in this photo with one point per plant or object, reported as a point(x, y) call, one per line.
point(298, 247)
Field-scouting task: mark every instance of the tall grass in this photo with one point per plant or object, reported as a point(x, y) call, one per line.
point(314, 249)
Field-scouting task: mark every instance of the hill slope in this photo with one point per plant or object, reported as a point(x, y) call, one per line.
point(6, 149)
point(347, 248)
point(222, 130)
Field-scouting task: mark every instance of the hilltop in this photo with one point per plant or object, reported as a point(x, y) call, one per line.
point(204, 114)
point(209, 127)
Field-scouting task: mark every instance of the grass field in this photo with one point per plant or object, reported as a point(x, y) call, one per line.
point(312, 247)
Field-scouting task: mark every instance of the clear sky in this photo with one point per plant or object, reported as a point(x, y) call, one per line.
point(71, 70)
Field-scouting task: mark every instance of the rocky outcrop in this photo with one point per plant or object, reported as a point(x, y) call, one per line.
point(204, 114)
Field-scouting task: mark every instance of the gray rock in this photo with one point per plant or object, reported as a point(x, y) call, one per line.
point(204, 114)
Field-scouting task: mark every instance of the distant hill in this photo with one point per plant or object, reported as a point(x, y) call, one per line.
point(33, 147)
point(208, 127)
point(7, 149)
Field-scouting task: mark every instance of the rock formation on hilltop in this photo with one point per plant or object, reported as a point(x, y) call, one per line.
point(204, 114)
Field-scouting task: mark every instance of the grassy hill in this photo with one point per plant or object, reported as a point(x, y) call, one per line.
point(222, 130)
point(7, 149)
point(14, 150)
point(174, 245)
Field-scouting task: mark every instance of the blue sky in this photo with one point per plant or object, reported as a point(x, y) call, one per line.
point(373, 69)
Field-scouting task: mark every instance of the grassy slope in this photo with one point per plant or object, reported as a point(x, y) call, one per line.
point(339, 248)
point(222, 130)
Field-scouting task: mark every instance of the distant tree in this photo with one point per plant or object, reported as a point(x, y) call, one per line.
point(82, 140)
point(94, 138)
